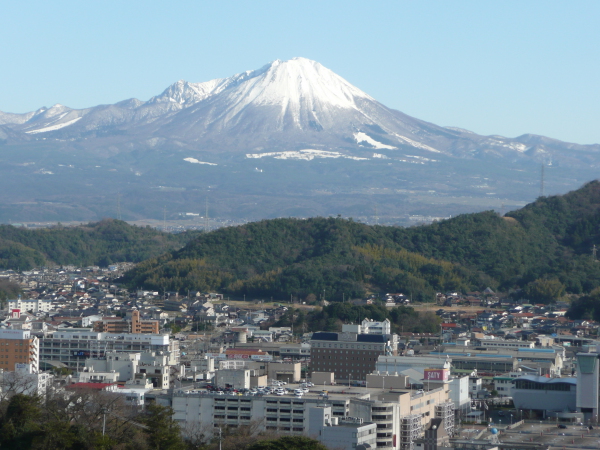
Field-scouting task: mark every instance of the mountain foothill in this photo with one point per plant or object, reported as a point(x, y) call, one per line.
point(541, 253)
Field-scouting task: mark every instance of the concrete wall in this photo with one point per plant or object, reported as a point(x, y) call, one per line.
point(285, 371)
point(261, 380)
point(322, 378)
point(387, 381)
point(238, 379)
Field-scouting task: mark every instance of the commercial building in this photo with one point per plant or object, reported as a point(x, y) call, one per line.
point(548, 396)
point(351, 354)
point(399, 417)
point(19, 347)
point(73, 346)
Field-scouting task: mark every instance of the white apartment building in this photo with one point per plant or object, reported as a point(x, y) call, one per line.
point(154, 365)
point(33, 305)
point(24, 380)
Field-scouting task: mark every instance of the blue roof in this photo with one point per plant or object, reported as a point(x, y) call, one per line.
point(540, 350)
point(546, 380)
point(324, 336)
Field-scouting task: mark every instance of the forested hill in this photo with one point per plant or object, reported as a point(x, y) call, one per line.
point(544, 247)
point(99, 243)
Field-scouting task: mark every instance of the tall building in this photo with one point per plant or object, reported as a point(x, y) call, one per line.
point(19, 348)
point(588, 377)
point(353, 353)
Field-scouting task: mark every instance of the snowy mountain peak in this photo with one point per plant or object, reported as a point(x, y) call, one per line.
point(298, 81)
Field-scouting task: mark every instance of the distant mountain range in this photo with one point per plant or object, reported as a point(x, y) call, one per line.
point(290, 139)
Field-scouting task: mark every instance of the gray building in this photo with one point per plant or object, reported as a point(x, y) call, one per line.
point(546, 395)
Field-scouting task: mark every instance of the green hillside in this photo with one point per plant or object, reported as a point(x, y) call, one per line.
point(100, 243)
point(543, 247)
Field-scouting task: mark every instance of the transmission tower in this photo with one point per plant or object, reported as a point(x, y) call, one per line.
point(119, 206)
point(206, 214)
point(542, 181)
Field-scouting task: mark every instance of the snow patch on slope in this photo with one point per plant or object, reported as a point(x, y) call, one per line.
point(416, 144)
point(306, 155)
point(195, 161)
point(512, 145)
point(54, 127)
point(363, 137)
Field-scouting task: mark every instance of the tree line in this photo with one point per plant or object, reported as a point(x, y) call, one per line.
point(95, 244)
point(544, 247)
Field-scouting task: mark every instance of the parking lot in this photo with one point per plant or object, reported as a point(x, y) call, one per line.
point(574, 436)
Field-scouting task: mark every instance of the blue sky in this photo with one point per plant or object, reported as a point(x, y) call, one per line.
point(507, 68)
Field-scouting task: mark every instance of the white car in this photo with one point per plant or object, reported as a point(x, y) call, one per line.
point(279, 393)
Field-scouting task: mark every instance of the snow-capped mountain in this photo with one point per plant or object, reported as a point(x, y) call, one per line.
point(296, 110)
point(285, 105)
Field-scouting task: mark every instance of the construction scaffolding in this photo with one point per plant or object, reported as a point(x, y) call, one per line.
point(410, 429)
point(445, 411)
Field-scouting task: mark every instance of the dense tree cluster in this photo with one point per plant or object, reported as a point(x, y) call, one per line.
point(331, 318)
point(544, 247)
point(100, 243)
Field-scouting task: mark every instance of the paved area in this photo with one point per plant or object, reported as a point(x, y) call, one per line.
point(573, 436)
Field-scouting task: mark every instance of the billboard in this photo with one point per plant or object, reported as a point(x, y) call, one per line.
point(436, 374)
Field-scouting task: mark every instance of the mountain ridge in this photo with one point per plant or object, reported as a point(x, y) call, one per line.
point(214, 137)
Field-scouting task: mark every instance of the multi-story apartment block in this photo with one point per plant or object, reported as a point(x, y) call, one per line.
point(32, 305)
point(350, 355)
point(134, 326)
point(18, 348)
point(74, 345)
